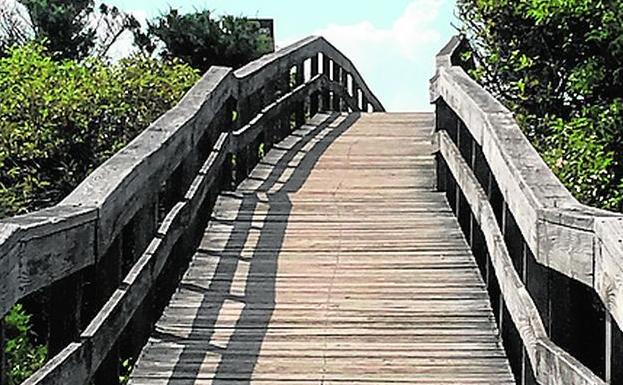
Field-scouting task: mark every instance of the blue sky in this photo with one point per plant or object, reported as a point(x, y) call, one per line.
point(391, 42)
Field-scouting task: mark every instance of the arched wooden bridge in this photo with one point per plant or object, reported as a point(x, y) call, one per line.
point(278, 227)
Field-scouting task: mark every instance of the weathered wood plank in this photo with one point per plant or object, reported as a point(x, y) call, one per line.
point(560, 232)
point(551, 364)
point(303, 277)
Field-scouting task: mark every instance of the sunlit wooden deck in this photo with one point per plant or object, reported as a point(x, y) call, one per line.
point(334, 262)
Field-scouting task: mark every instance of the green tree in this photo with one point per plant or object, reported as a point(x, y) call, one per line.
point(203, 41)
point(64, 24)
point(558, 65)
point(70, 29)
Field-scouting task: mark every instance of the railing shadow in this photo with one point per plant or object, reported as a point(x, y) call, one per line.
point(239, 358)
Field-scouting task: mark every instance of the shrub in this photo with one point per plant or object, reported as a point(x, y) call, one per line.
point(60, 119)
point(23, 356)
point(558, 65)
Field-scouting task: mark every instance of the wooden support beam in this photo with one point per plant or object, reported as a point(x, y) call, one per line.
point(337, 73)
point(107, 279)
point(314, 101)
point(299, 109)
point(326, 94)
point(614, 352)
point(64, 312)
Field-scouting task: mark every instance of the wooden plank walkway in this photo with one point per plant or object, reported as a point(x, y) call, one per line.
point(333, 263)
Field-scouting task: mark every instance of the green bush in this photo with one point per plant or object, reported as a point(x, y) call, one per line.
point(558, 65)
point(60, 119)
point(23, 356)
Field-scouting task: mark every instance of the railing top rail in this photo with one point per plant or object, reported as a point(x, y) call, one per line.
point(267, 66)
point(582, 242)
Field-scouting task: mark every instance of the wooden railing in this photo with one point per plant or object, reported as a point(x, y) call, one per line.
point(553, 267)
point(105, 261)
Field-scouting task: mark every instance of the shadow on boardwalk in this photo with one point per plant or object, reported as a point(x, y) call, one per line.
point(239, 357)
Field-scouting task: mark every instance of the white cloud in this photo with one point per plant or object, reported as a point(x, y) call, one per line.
point(396, 61)
point(411, 30)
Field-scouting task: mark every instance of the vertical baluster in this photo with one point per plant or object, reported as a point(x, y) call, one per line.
point(65, 298)
point(326, 94)
point(284, 129)
point(142, 230)
point(228, 126)
point(472, 220)
point(107, 278)
point(336, 81)
point(364, 102)
point(441, 179)
point(614, 351)
point(242, 155)
point(314, 98)
point(344, 82)
point(299, 109)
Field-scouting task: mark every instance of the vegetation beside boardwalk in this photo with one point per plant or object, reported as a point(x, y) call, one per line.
point(558, 66)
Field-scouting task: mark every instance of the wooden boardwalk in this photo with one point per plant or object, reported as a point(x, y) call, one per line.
point(333, 263)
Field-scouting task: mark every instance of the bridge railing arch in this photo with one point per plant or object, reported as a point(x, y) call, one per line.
point(554, 267)
point(106, 258)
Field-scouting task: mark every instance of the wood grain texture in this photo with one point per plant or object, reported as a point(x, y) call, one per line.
point(561, 232)
point(333, 262)
point(551, 364)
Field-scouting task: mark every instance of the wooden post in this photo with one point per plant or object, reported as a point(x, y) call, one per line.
point(344, 83)
point(299, 111)
point(241, 165)
point(442, 173)
point(364, 103)
point(314, 97)
point(64, 310)
point(326, 95)
point(142, 230)
point(336, 80)
point(472, 221)
point(337, 72)
point(284, 130)
point(107, 278)
point(268, 137)
point(457, 199)
point(614, 351)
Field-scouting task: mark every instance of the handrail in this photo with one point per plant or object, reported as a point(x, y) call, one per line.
point(266, 67)
point(178, 159)
point(45, 246)
point(547, 359)
point(581, 242)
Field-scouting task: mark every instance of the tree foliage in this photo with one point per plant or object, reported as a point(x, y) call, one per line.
point(558, 65)
point(73, 29)
point(202, 41)
point(61, 119)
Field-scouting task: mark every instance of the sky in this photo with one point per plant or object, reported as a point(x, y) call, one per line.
point(391, 42)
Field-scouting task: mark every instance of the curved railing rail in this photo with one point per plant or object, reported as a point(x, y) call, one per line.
point(558, 264)
point(95, 258)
